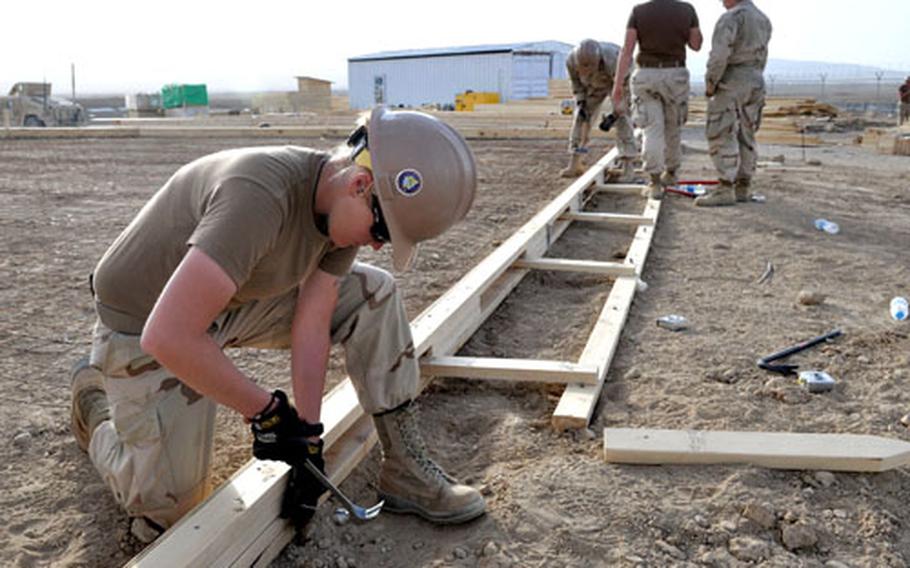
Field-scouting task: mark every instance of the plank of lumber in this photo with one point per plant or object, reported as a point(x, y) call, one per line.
point(508, 369)
point(442, 328)
point(779, 450)
point(578, 401)
point(613, 218)
point(627, 188)
point(569, 265)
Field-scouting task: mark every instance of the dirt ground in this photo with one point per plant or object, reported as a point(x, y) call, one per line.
point(552, 500)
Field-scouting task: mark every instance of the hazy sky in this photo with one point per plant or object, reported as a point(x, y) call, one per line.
point(120, 47)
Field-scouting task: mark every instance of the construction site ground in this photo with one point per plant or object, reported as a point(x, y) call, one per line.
point(552, 500)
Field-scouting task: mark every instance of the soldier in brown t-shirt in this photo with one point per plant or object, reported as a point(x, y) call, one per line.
point(255, 248)
point(660, 84)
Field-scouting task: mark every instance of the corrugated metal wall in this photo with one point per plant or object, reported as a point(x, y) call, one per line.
point(530, 75)
point(430, 80)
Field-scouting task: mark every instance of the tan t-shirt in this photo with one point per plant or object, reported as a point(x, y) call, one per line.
point(250, 210)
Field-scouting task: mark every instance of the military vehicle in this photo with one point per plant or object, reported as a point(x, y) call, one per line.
point(31, 104)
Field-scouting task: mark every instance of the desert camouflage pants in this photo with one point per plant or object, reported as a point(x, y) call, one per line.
point(660, 104)
point(581, 129)
point(734, 116)
point(156, 452)
point(903, 113)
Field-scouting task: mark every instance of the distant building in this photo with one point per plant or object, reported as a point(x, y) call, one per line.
point(312, 95)
point(434, 76)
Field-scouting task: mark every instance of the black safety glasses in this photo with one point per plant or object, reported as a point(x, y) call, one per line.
point(358, 142)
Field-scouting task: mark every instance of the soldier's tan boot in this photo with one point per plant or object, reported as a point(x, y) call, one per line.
point(722, 194)
point(410, 482)
point(742, 189)
point(575, 168)
point(90, 406)
point(654, 189)
point(668, 178)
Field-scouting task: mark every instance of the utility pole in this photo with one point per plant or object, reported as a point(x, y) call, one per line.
point(878, 85)
point(73, 79)
point(773, 78)
point(823, 76)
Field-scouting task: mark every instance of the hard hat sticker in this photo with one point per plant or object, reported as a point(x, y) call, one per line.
point(409, 182)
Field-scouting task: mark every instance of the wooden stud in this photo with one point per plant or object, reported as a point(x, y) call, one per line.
point(508, 369)
point(569, 265)
point(611, 218)
point(578, 401)
point(624, 188)
point(779, 450)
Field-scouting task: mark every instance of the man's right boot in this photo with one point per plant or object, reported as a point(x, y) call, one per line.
point(741, 189)
point(668, 178)
point(575, 168)
point(410, 482)
point(654, 189)
point(721, 195)
point(90, 406)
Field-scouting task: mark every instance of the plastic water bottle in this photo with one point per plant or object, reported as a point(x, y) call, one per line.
point(899, 308)
point(827, 226)
point(692, 188)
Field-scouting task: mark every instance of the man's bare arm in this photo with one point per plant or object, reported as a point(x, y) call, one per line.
point(622, 66)
point(176, 334)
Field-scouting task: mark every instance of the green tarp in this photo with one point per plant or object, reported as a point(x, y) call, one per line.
point(178, 96)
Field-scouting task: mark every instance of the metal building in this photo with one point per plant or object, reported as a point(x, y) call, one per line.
point(434, 76)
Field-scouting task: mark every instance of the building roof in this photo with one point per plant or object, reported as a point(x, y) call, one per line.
point(525, 47)
point(308, 78)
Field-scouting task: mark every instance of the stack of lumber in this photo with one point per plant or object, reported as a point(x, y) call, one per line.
point(783, 119)
point(892, 141)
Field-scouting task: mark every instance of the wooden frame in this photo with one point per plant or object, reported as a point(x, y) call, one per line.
point(238, 525)
point(779, 450)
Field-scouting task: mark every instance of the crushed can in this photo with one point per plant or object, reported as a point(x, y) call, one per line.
point(816, 381)
point(673, 322)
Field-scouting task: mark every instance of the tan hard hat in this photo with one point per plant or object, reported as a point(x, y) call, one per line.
point(425, 177)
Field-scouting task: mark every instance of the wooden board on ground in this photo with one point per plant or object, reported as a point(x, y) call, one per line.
point(508, 369)
point(576, 406)
point(779, 450)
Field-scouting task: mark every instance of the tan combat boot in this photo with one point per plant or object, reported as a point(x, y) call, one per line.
point(668, 178)
point(720, 195)
point(741, 189)
point(410, 482)
point(655, 189)
point(576, 167)
point(90, 406)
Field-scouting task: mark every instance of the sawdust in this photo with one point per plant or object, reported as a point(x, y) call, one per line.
point(552, 499)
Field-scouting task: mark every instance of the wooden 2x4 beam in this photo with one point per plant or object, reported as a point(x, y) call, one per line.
point(222, 521)
point(576, 406)
point(612, 218)
point(509, 369)
point(779, 450)
point(568, 265)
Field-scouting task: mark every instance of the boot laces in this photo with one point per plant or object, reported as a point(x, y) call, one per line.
point(416, 447)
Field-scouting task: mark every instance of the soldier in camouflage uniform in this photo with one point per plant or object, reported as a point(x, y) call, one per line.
point(735, 88)
point(592, 66)
point(255, 247)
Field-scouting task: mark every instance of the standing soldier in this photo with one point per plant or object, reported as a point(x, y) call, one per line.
point(904, 103)
point(660, 83)
point(592, 66)
point(735, 88)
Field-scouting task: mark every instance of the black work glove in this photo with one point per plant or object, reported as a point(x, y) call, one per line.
point(582, 111)
point(279, 434)
point(608, 121)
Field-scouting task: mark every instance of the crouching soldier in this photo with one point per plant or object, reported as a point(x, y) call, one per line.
point(255, 248)
point(592, 66)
